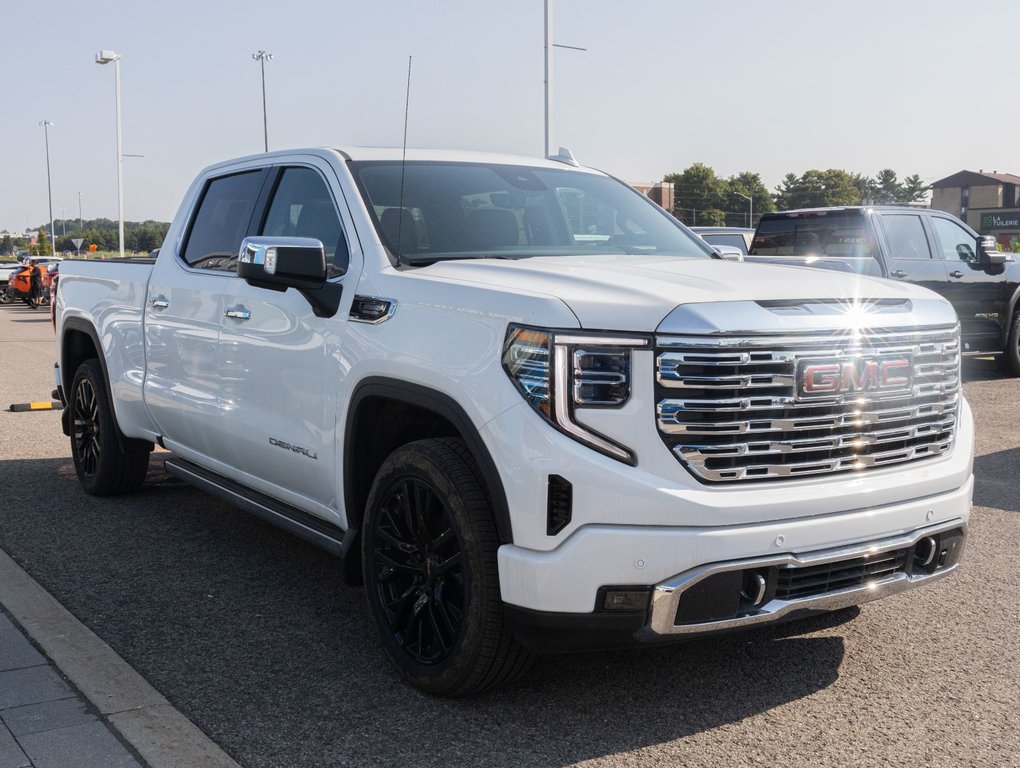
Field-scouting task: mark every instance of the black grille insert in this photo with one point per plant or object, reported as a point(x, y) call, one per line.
point(808, 581)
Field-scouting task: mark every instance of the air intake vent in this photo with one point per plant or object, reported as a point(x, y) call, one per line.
point(561, 496)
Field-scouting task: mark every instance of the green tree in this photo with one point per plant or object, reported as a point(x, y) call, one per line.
point(6, 246)
point(750, 184)
point(698, 195)
point(887, 187)
point(43, 249)
point(817, 189)
point(913, 189)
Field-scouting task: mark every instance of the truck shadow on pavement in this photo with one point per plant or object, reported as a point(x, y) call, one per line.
point(250, 633)
point(980, 369)
point(995, 480)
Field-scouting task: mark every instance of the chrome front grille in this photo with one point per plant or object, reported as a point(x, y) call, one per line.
point(729, 407)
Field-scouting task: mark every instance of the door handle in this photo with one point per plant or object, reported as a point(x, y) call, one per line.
point(956, 273)
point(238, 313)
point(159, 302)
point(898, 273)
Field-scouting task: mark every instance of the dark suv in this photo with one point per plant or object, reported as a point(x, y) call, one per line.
point(922, 246)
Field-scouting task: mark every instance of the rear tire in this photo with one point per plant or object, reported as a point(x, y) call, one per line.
point(1009, 360)
point(107, 463)
point(429, 557)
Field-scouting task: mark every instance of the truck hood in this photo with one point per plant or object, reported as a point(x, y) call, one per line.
point(635, 293)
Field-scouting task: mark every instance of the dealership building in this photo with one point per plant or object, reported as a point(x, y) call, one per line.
point(988, 202)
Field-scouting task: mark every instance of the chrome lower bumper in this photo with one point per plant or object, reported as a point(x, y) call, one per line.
point(666, 595)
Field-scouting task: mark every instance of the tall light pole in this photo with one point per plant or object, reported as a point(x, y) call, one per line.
point(548, 74)
point(63, 222)
point(750, 208)
point(549, 45)
point(262, 57)
point(49, 187)
point(105, 57)
point(80, 225)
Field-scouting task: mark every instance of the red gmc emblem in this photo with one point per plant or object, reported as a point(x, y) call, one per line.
point(818, 378)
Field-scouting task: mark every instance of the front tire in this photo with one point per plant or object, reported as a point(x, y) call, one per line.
point(107, 463)
point(1009, 360)
point(429, 557)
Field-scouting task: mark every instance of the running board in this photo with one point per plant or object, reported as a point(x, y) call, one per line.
point(308, 527)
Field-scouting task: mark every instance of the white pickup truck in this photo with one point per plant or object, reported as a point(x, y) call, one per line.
point(525, 406)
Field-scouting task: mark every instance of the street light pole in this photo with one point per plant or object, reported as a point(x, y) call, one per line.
point(750, 208)
point(548, 74)
point(80, 225)
point(105, 57)
point(49, 187)
point(549, 45)
point(262, 57)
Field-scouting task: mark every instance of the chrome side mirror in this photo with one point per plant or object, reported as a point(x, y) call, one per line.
point(279, 263)
point(989, 254)
point(728, 252)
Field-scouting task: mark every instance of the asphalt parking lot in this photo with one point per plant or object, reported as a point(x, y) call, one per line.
point(250, 633)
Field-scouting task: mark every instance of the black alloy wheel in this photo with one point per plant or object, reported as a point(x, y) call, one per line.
point(419, 568)
point(428, 549)
point(107, 462)
point(86, 429)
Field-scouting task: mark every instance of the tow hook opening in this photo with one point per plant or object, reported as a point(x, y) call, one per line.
point(727, 595)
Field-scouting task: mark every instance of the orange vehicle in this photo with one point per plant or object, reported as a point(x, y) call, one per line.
point(21, 284)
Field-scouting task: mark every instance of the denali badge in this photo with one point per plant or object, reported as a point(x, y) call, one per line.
point(825, 378)
point(295, 448)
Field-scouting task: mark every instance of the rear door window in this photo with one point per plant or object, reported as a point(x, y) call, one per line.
point(222, 220)
point(904, 234)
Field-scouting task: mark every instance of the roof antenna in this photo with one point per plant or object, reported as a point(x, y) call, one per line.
point(403, 160)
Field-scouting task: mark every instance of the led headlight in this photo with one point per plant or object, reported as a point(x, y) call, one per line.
point(558, 372)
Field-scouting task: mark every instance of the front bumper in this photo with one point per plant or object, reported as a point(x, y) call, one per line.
point(568, 578)
point(852, 586)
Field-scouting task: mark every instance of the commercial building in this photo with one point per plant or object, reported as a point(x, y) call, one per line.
point(988, 202)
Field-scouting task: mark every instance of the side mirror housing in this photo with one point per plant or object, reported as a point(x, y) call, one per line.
point(728, 252)
point(989, 254)
point(279, 263)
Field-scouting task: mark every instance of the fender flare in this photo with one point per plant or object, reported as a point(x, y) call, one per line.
point(449, 409)
point(1008, 320)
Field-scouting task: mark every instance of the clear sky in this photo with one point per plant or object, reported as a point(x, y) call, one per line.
point(920, 86)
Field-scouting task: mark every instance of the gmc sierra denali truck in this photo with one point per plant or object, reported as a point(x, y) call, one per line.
point(916, 245)
point(527, 408)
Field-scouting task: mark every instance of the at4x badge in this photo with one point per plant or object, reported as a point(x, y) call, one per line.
point(828, 377)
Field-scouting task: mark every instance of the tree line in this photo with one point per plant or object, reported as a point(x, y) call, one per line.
point(138, 236)
point(701, 198)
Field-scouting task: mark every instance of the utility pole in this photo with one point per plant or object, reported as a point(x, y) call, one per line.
point(49, 187)
point(262, 57)
point(80, 225)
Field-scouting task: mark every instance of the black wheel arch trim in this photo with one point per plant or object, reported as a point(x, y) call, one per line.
point(67, 377)
point(445, 406)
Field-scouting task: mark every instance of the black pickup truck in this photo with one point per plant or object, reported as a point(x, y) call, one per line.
point(923, 246)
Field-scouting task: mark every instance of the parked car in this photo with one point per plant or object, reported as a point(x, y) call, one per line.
point(734, 237)
point(922, 246)
point(526, 407)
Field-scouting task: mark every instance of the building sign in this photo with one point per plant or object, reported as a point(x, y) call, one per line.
point(1000, 220)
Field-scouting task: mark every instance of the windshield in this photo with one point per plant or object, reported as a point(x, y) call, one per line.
point(476, 210)
point(842, 241)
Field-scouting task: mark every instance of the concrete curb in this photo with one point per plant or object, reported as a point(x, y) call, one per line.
point(145, 719)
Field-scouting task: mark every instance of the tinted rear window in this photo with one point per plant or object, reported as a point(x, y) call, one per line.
point(833, 235)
